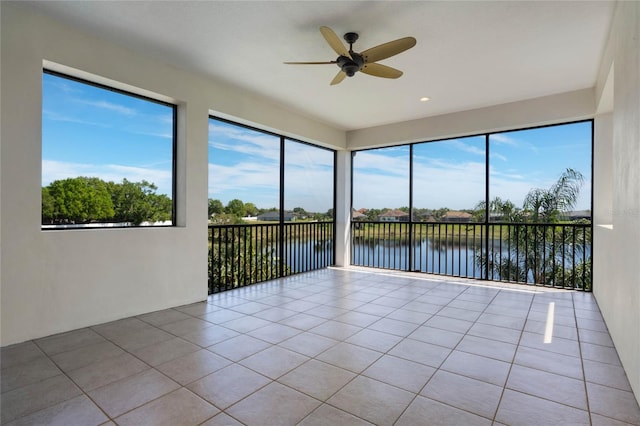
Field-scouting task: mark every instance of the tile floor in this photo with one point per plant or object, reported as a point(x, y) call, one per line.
point(332, 347)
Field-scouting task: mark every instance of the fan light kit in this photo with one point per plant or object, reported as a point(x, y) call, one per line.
point(351, 62)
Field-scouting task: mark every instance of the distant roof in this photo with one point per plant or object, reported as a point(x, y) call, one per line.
point(455, 214)
point(394, 213)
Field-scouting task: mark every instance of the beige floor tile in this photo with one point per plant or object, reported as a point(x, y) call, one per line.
point(210, 335)
point(250, 308)
point(107, 371)
point(274, 404)
point(141, 338)
point(598, 420)
point(129, 393)
point(68, 341)
point(494, 332)
point(302, 321)
point(26, 374)
point(487, 347)
point(246, 324)
point(274, 333)
point(374, 401)
point(391, 326)
point(229, 385)
point(239, 347)
point(468, 394)
point(599, 353)
point(166, 316)
point(20, 353)
point(519, 409)
point(193, 366)
point(501, 320)
point(222, 419)
point(327, 415)
point(359, 319)
point(335, 330)
point(477, 367)
point(595, 337)
point(437, 336)
point(121, 328)
point(549, 361)
point(308, 344)
point(451, 324)
point(275, 314)
point(424, 353)
point(606, 374)
point(186, 326)
point(317, 379)
point(409, 316)
point(161, 352)
point(560, 389)
point(180, 407)
point(37, 396)
point(557, 344)
point(86, 355)
point(407, 375)
point(427, 411)
point(618, 404)
point(197, 309)
point(376, 340)
point(220, 316)
point(350, 357)
point(76, 411)
point(273, 362)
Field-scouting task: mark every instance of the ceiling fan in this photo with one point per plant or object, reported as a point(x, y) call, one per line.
point(351, 62)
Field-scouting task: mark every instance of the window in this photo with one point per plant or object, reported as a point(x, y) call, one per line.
point(381, 183)
point(525, 165)
point(448, 179)
point(253, 173)
point(107, 156)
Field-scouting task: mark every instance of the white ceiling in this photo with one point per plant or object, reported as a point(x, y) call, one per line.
point(469, 54)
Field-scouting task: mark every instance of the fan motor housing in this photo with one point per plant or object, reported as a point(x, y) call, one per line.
point(352, 65)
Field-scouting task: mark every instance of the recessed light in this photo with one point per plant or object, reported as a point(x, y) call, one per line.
point(424, 99)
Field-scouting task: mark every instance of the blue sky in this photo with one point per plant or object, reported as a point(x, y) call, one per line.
point(245, 164)
point(88, 131)
point(452, 173)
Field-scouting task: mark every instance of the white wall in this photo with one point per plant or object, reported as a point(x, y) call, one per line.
point(558, 108)
point(617, 246)
point(56, 281)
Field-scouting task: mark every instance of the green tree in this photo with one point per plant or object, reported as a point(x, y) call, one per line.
point(132, 201)
point(540, 252)
point(250, 209)
point(215, 207)
point(77, 200)
point(236, 207)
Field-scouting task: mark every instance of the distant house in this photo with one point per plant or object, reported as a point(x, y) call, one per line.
point(274, 216)
point(394, 216)
point(356, 215)
point(457, 217)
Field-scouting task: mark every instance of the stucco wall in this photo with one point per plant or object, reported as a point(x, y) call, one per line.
point(617, 244)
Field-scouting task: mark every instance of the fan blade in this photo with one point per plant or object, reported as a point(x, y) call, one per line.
point(338, 78)
point(334, 41)
point(311, 63)
point(387, 50)
point(379, 70)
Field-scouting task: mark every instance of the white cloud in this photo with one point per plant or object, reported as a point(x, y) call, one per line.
point(57, 170)
point(120, 109)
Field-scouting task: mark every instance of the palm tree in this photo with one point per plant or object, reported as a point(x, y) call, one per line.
point(539, 249)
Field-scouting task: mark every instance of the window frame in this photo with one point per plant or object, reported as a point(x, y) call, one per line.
point(174, 153)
